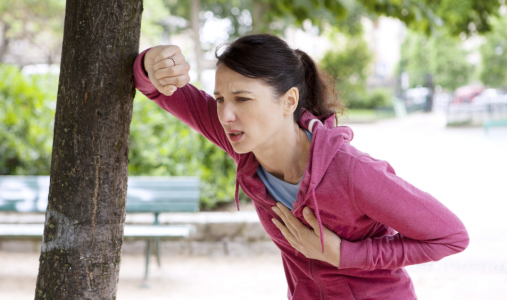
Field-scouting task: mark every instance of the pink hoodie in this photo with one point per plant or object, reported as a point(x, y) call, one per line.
point(384, 222)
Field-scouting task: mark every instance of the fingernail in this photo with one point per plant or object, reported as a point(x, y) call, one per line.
point(275, 209)
point(273, 220)
point(307, 211)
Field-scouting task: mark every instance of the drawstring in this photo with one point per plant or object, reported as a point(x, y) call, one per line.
point(236, 194)
point(318, 219)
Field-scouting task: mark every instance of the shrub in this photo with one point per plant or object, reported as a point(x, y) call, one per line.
point(26, 121)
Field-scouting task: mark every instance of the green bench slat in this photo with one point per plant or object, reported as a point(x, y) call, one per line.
point(134, 231)
point(144, 194)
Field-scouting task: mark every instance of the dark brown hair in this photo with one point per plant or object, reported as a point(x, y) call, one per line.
point(269, 58)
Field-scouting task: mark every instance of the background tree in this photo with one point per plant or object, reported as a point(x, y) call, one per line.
point(439, 55)
point(348, 62)
point(494, 55)
point(83, 232)
point(38, 23)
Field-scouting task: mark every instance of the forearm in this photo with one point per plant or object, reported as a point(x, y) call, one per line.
point(397, 251)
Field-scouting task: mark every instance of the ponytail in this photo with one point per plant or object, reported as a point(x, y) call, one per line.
point(317, 91)
point(270, 59)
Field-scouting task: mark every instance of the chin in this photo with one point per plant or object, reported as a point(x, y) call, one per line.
point(241, 149)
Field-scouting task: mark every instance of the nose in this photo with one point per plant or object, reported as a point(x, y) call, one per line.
point(226, 113)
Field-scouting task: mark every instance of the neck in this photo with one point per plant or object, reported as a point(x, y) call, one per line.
point(287, 154)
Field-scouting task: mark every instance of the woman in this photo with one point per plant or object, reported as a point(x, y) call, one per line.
point(346, 225)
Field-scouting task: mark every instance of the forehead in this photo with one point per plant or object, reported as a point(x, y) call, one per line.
point(228, 81)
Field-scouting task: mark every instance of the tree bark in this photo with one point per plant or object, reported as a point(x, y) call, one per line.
point(5, 41)
point(83, 233)
point(196, 26)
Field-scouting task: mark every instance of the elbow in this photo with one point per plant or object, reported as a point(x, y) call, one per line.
point(466, 240)
point(462, 240)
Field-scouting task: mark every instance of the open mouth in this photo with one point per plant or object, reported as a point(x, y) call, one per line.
point(236, 136)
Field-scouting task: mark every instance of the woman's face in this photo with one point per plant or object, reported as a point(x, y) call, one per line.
point(250, 114)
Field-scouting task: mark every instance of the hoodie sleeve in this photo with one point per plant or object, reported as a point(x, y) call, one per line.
point(427, 230)
point(190, 105)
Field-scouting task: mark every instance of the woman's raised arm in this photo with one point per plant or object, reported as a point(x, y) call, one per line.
point(164, 79)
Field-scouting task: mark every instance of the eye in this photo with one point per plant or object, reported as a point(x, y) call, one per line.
point(219, 100)
point(243, 99)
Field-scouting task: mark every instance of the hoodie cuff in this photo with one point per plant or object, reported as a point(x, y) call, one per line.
point(353, 254)
point(141, 80)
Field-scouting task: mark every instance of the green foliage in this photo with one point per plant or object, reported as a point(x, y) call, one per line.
point(26, 122)
point(38, 22)
point(378, 98)
point(161, 145)
point(439, 55)
point(428, 16)
point(154, 11)
point(348, 63)
point(494, 55)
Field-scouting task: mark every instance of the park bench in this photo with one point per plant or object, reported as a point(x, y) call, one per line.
point(144, 194)
point(493, 123)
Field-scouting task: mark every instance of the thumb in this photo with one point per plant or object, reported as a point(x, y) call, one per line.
point(312, 220)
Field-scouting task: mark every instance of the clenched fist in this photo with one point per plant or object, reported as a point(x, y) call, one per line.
point(166, 68)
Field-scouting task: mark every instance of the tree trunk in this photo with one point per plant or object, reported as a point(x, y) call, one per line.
point(83, 233)
point(256, 17)
point(5, 41)
point(196, 26)
point(259, 9)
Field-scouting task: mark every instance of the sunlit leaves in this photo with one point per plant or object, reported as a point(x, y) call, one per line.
point(494, 55)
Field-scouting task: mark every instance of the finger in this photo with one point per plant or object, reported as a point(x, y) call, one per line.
point(178, 81)
point(172, 71)
point(176, 60)
point(292, 222)
point(167, 90)
point(285, 220)
point(312, 220)
point(164, 63)
point(286, 233)
point(169, 51)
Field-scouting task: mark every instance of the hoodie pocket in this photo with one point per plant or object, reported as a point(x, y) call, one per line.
point(305, 289)
point(337, 289)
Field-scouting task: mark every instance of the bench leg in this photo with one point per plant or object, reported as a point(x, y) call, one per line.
point(148, 253)
point(157, 250)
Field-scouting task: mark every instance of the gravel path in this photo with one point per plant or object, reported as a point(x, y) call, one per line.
point(246, 278)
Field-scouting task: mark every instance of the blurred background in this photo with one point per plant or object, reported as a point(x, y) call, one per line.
point(425, 83)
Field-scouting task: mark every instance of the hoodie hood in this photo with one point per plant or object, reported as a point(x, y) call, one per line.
point(326, 142)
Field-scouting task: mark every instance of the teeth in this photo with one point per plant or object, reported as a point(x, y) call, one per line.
point(237, 133)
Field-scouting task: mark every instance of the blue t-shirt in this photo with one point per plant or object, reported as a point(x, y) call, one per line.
point(280, 190)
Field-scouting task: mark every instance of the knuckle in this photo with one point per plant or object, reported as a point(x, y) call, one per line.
point(180, 81)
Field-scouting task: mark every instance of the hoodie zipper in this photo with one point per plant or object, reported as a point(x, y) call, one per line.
point(315, 279)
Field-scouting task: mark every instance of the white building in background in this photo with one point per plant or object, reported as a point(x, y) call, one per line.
point(385, 37)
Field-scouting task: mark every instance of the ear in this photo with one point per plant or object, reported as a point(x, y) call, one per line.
point(290, 99)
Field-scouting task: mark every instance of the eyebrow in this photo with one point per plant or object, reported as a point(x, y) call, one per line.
point(234, 93)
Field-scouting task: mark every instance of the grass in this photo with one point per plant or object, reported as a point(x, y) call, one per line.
point(360, 112)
